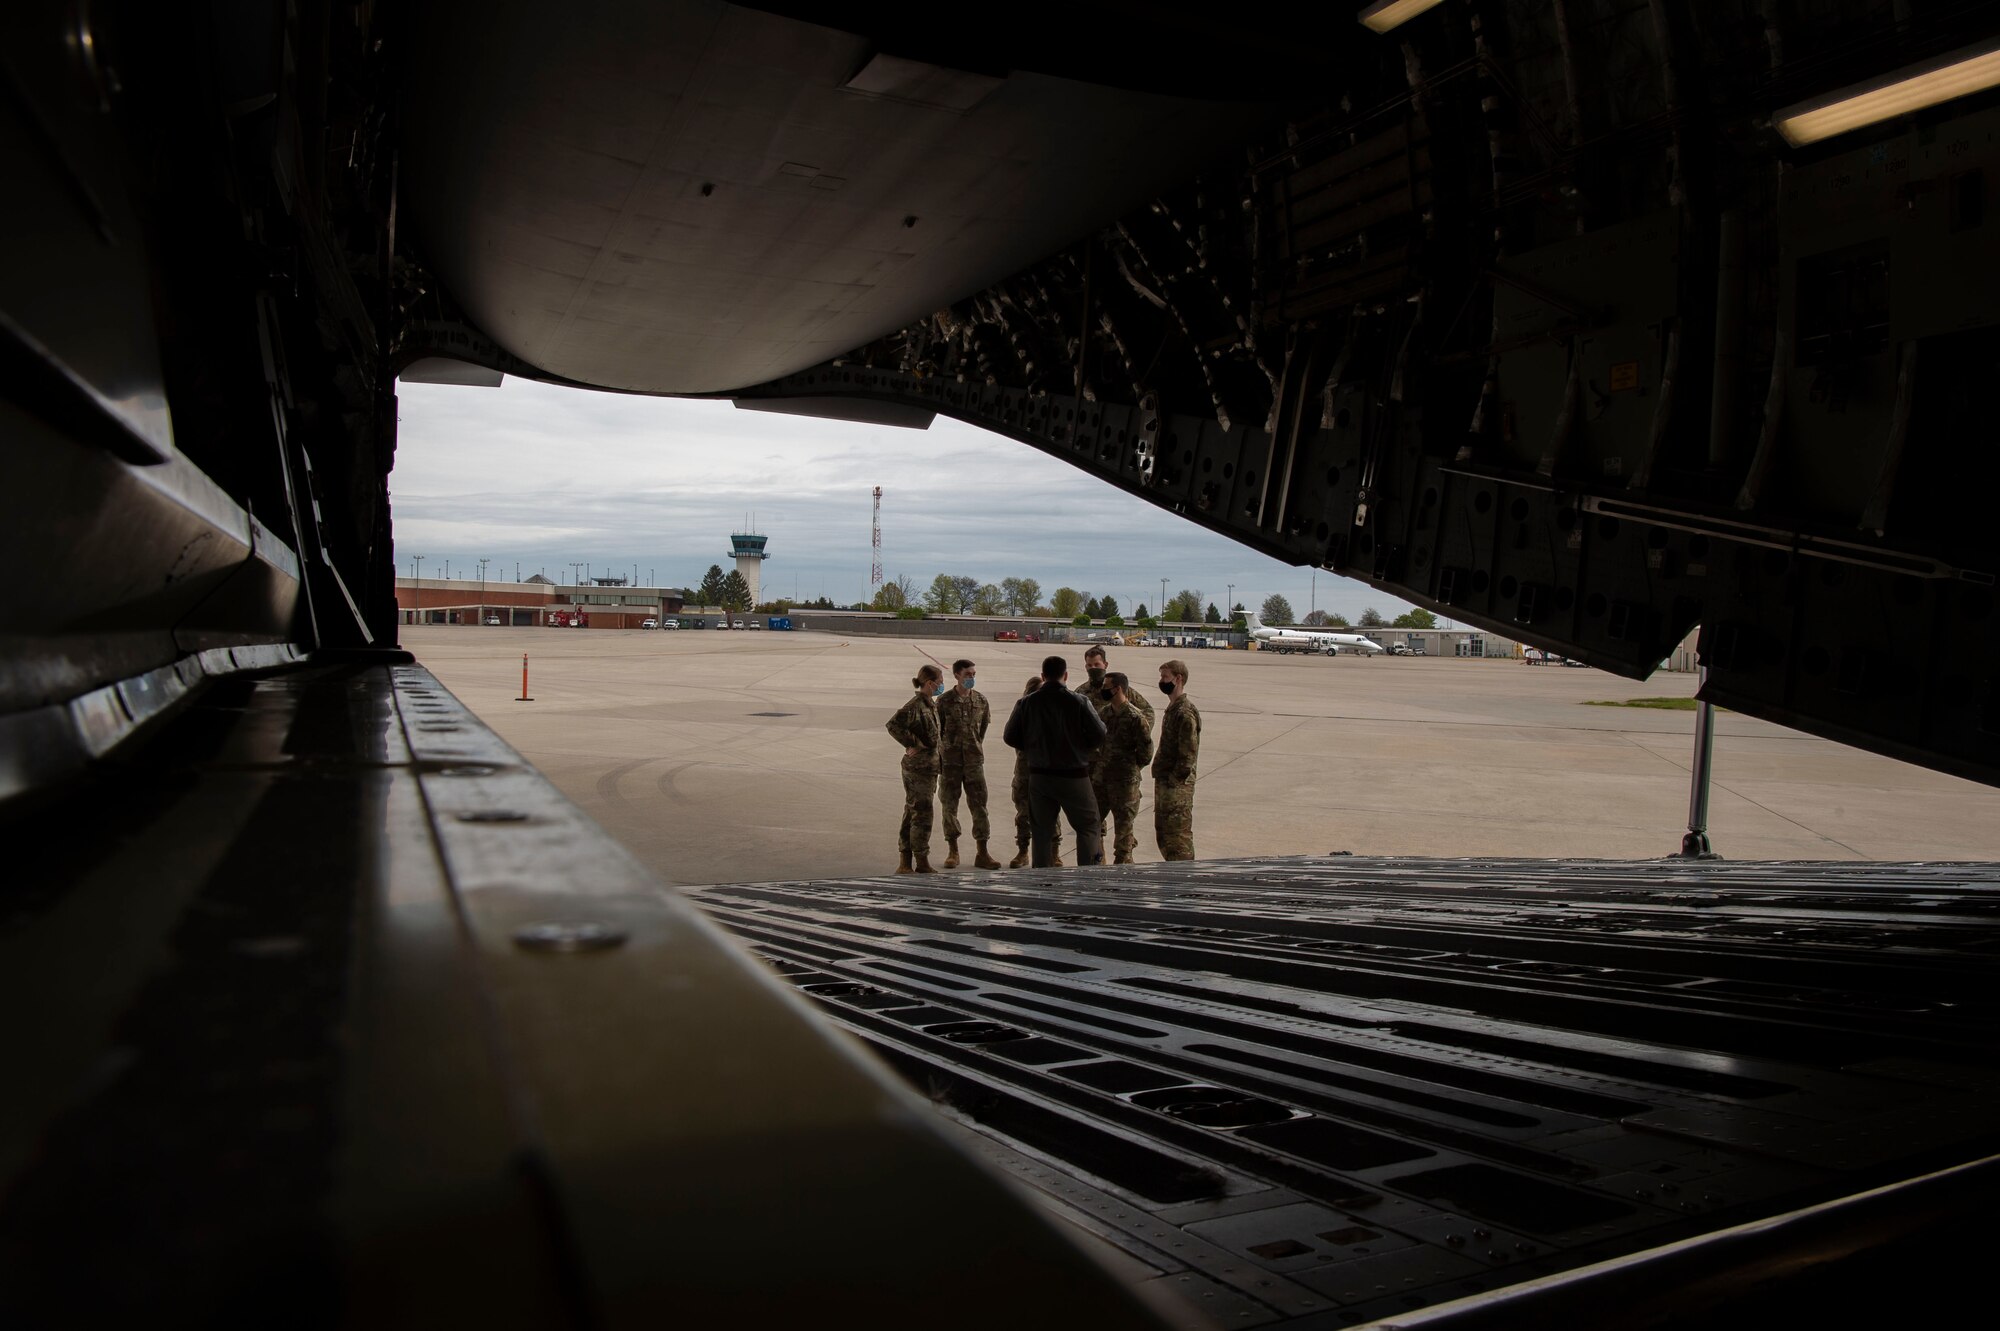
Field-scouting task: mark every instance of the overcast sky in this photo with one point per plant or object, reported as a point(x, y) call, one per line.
point(539, 476)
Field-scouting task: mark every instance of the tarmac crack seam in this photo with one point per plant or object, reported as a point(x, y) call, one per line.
point(808, 660)
point(1253, 748)
point(1731, 790)
point(1378, 718)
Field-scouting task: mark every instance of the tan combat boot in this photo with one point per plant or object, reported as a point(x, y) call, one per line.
point(1019, 860)
point(951, 855)
point(983, 860)
point(924, 863)
point(1124, 857)
point(904, 867)
point(1055, 861)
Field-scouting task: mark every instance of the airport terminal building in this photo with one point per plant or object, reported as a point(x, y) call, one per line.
point(602, 603)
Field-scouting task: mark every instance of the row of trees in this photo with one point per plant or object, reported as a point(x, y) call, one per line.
point(728, 590)
point(732, 592)
point(1277, 611)
point(954, 594)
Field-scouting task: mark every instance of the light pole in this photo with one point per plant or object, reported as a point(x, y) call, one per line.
point(482, 590)
point(1163, 601)
point(417, 616)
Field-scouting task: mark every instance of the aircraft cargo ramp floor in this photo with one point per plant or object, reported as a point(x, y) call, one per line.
point(1341, 1089)
point(320, 1007)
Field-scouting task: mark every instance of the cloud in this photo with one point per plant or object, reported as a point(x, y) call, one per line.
point(538, 476)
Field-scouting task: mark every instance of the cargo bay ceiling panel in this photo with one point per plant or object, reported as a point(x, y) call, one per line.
point(693, 197)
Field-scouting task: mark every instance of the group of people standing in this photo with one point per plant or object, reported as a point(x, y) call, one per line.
point(1079, 753)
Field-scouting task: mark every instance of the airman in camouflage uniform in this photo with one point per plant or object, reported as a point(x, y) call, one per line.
point(1116, 765)
point(915, 727)
point(1023, 829)
point(962, 719)
point(1094, 662)
point(1173, 767)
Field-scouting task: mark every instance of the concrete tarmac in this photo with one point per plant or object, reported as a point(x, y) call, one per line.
point(737, 756)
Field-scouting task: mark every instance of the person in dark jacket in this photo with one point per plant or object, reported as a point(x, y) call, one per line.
point(1023, 824)
point(1057, 732)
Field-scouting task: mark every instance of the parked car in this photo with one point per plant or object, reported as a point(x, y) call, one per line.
point(649, 623)
point(671, 624)
point(1400, 649)
point(756, 623)
point(1006, 635)
point(493, 620)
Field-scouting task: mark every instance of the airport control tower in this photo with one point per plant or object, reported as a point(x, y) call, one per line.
point(747, 548)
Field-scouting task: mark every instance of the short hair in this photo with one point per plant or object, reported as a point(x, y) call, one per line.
point(1034, 682)
point(1116, 679)
point(960, 664)
point(930, 672)
point(1178, 669)
point(1054, 667)
point(1095, 651)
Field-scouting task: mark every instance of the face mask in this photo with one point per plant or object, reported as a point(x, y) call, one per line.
point(1097, 674)
point(939, 690)
point(1166, 688)
point(969, 682)
point(1104, 694)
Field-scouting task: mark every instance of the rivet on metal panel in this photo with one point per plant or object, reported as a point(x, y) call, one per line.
point(556, 936)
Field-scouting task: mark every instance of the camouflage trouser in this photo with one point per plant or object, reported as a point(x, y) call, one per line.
point(1173, 818)
point(1023, 828)
point(919, 789)
point(1118, 802)
point(971, 778)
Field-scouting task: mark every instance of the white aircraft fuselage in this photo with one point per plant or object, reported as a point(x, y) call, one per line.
point(1310, 640)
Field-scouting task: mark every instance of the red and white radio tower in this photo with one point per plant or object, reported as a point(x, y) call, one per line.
point(875, 567)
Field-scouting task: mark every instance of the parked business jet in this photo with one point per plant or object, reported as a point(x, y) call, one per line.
point(1308, 640)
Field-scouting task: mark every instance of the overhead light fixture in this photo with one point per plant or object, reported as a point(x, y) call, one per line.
point(1386, 14)
point(1959, 74)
